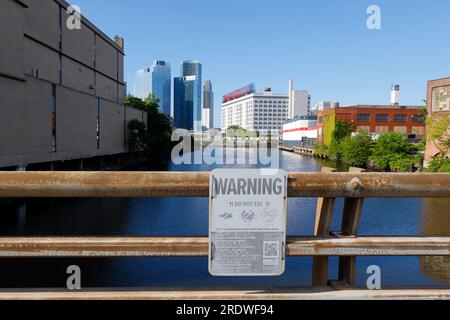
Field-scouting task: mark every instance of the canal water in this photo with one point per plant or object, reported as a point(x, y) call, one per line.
point(189, 217)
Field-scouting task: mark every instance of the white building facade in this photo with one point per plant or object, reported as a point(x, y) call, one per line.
point(256, 111)
point(299, 102)
point(300, 129)
point(143, 84)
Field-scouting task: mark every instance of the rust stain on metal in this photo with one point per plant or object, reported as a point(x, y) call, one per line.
point(196, 184)
point(196, 246)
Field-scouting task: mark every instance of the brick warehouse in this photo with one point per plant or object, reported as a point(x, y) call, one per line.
point(60, 89)
point(407, 120)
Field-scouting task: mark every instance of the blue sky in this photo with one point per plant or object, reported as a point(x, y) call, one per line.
point(323, 45)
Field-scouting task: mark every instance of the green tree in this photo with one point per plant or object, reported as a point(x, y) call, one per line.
point(356, 150)
point(153, 138)
point(438, 126)
point(322, 149)
point(341, 131)
point(135, 103)
point(437, 165)
point(237, 132)
point(335, 151)
point(392, 151)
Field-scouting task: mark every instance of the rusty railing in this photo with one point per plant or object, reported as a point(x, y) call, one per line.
point(326, 186)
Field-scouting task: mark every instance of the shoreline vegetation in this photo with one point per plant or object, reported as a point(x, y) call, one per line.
point(154, 138)
point(390, 152)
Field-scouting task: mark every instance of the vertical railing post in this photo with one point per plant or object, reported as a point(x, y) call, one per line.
point(350, 224)
point(324, 217)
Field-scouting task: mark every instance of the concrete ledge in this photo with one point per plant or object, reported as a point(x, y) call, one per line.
point(270, 294)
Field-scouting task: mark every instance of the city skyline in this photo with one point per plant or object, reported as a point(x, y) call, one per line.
point(327, 48)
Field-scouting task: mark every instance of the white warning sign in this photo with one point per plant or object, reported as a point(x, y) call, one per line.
point(247, 222)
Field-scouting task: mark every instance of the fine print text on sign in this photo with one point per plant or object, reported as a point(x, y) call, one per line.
point(247, 222)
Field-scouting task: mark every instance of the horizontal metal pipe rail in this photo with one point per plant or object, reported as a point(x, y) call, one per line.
point(196, 184)
point(102, 247)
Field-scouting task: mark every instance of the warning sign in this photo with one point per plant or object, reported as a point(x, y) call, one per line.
point(247, 222)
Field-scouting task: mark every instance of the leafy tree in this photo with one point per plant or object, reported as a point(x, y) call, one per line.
point(235, 127)
point(137, 132)
point(392, 151)
point(437, 165)
point(438, 126)
point(135, 103)
point(335, 151)
point(237, 132)
point(153, 138)
point(341, 131)
point(322, 149)
point(356, 150)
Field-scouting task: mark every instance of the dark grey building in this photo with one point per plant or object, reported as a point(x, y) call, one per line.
point(61, 87)
point(208, 105)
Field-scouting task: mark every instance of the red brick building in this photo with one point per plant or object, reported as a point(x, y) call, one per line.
point(438, 102)
point(373, 119)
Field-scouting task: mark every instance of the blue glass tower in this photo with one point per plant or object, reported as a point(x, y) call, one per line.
point(188, 97)
point(162, 85)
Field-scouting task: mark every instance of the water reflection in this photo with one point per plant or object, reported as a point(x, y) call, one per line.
point(436, 222)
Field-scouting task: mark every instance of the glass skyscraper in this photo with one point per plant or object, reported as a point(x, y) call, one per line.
point(143, 84)
point(188, 97)
point(208, 105)
point(162, 85)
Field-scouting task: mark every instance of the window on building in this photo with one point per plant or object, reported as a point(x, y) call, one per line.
point(400, 118)
point(363, 117)
point(382, 129)
point(401, 129)
point(364, 128)
point(382, 118)
point(418, 131)
point(418, 118)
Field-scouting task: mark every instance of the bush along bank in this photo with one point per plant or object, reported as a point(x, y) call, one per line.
point(389, 152)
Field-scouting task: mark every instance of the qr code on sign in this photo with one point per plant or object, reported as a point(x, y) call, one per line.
point(271, 249)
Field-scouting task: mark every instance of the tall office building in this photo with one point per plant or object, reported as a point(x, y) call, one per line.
point(143, 84)
point(188, 97)
point(299, 102)
point(191, 68)
point(162, 85)
point(208, 105)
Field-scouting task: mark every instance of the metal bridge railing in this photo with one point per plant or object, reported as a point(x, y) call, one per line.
point(326, 186)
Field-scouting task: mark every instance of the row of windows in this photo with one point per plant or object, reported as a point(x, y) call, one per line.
point(385, 117)
point(270, 101)
point(271, 114)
